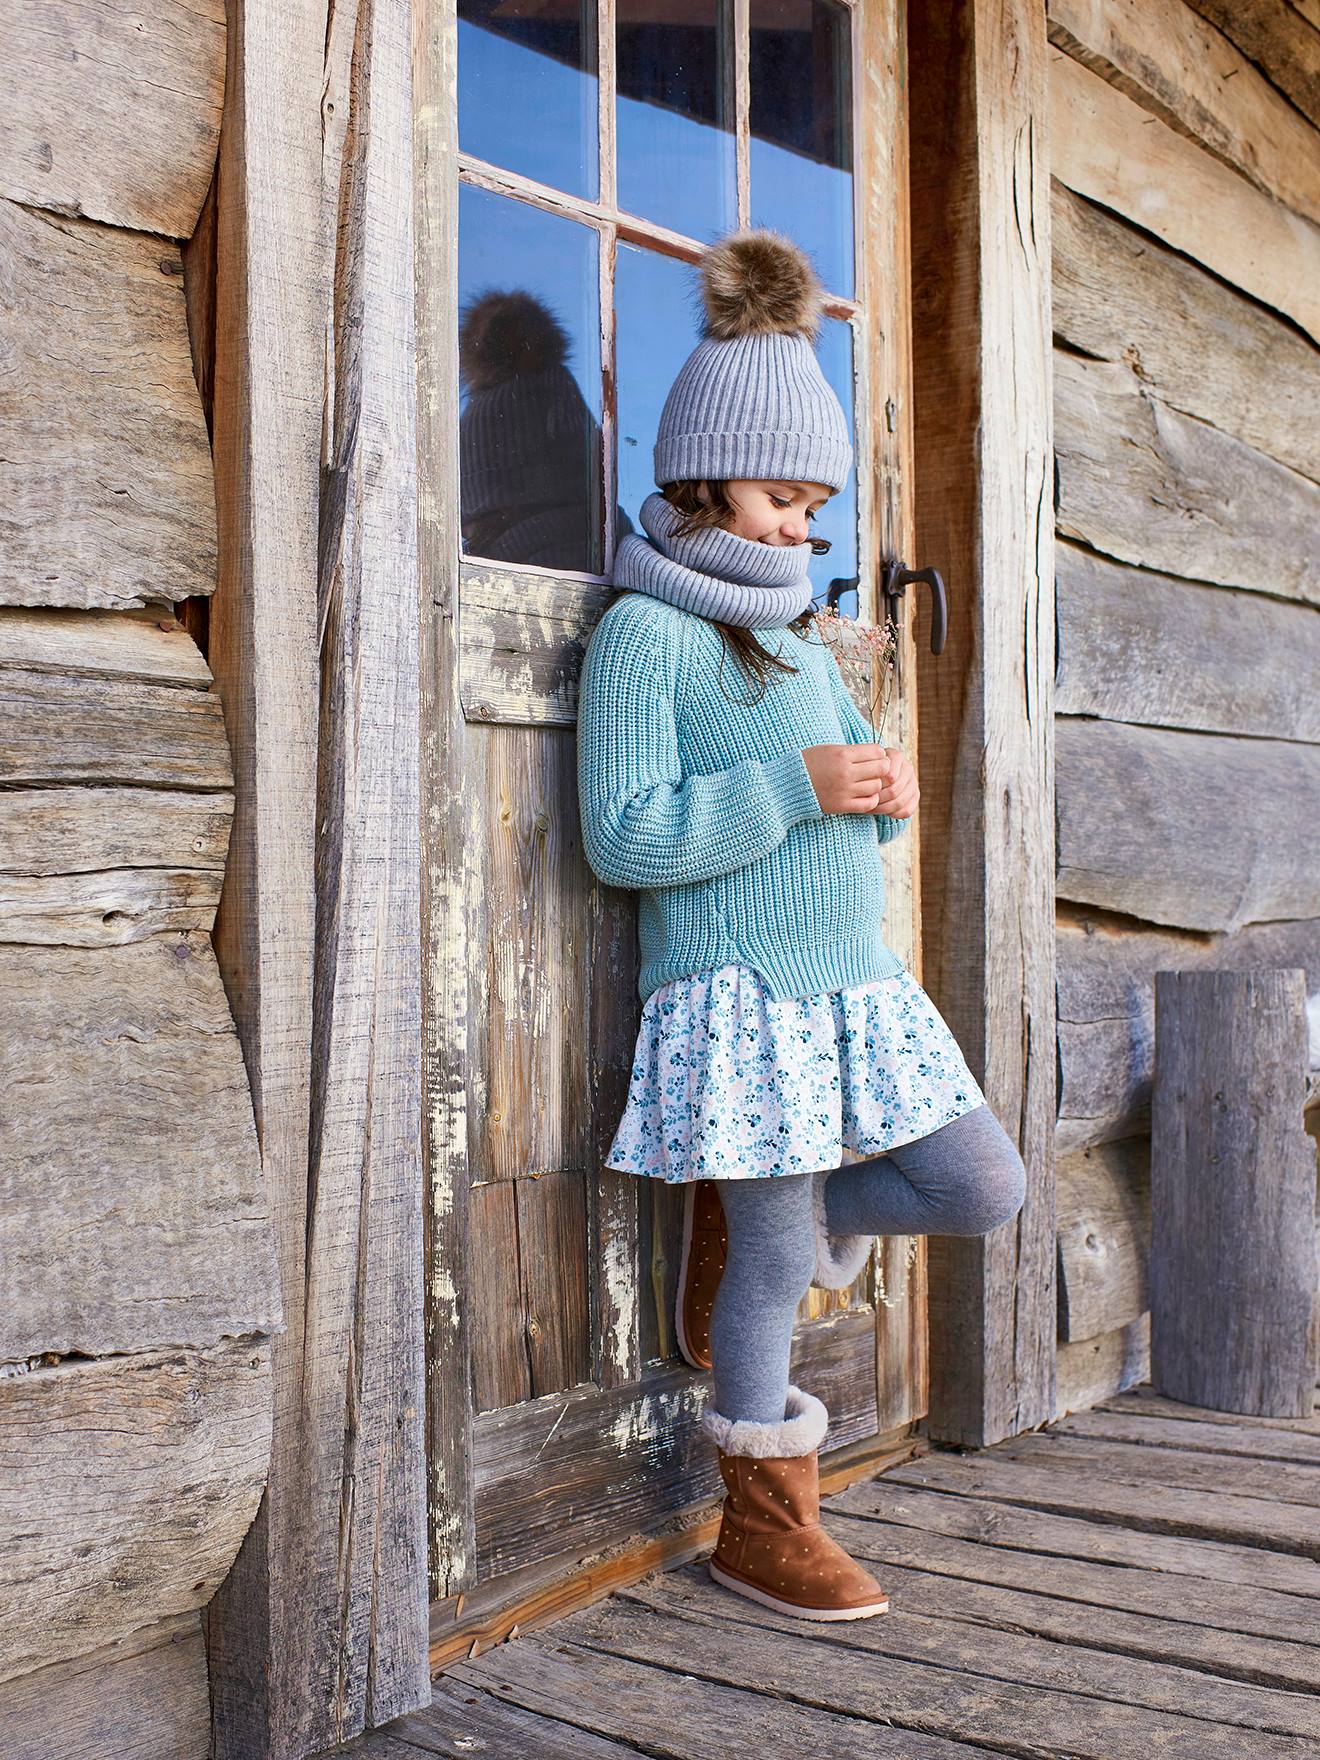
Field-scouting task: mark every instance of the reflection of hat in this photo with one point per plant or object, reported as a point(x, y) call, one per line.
point(751, 400)
point(526, 436)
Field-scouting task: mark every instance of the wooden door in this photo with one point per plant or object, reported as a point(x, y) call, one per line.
point(597, 148)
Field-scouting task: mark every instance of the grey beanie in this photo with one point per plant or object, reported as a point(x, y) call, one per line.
point(751, 400)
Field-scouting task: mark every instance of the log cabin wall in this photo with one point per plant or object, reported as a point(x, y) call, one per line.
point(140, 1295)
point(1186, 294)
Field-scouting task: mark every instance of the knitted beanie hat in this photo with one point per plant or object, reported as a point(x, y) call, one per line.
point(751, 400)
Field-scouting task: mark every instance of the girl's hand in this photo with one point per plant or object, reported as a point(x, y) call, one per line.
point(862, 779)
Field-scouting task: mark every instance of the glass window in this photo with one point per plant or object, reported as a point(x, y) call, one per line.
point(837, 520)
point(801, 122)
point(675, 147)
point(527, 90)
point(655, 331)
point(529, 368)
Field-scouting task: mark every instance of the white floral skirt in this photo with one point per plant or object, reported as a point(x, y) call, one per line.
point(730, 1083)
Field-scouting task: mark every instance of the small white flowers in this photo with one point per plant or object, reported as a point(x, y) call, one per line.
point(858, 648)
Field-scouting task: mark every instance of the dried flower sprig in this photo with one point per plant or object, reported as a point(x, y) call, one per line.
point(862, 648)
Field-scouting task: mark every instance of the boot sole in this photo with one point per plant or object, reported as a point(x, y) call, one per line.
point(685, 1349)
point(868, 1611)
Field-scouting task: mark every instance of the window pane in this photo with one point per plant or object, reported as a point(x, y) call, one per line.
point(837, 520)
point(655, 332)
point(529, 363)
point(527, 93)
point(676, 162)
point(801, 119)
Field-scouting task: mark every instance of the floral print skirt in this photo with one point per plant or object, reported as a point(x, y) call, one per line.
point(730, 1083)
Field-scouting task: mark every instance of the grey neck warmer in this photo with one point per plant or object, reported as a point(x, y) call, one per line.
point(714, 573)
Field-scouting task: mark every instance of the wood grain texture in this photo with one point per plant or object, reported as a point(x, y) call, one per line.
point(1106, 968)
point(273, 281)
point(1111, 149)
point(149, 645)
point(133, 1212)
point(115, 114)
point(58, 730)
point(1182, 70)
point(981, 334)
point(1233, 1172)
point(1193, 342)
point(1145, 647)
point(1280, 36)
point(1140, 481)
point(1195, 830)
point(1104, 1237)
point(1096, 1368)
point(1155, 1430)
point(106, 476)
point(142, 1698)
point(129, 1483)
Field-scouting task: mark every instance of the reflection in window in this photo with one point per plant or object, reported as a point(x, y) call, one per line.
point(527, 91)
point(529, 362)
point(675, 150)
point(801, 121)
point(655, 331)
point(837, 520)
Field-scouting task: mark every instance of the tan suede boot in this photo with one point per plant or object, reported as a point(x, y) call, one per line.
point(705, 1248)
point(771, 1546)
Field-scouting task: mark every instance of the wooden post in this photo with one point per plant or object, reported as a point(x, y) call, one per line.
point(1233, 1258)
point(984, 514)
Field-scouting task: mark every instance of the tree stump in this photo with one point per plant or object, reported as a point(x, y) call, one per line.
point(1233, 1188)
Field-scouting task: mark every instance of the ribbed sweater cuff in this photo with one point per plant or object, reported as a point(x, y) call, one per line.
point(790, 782)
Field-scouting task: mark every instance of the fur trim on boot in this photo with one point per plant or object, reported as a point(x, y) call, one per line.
point(801, 1431)
point(839, 1257)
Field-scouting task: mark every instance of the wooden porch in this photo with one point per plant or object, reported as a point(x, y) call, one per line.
point(1141, 1580)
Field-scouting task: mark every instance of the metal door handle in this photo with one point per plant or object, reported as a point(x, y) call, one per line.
point(894, 579)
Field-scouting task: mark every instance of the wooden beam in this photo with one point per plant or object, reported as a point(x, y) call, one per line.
point(1108, 147)
point(1282, 41)
point(980, 215)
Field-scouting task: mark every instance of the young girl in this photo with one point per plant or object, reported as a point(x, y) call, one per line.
point(725, 773)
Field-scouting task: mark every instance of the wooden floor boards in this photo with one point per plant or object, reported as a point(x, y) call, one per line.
point(1137, 1582)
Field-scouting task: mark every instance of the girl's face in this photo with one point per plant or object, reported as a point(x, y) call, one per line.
point(771, 511)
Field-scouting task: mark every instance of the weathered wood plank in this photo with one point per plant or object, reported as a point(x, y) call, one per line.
point(978, 103)
point(273, 292)
point(1295, 1484)
point(1280, 37)
point(1142, 813)
point(1104, 1237)
point(1281, 1633)
point(463, 1719)
point(1119, 295)
point(1094, 1368)
point(1140, 646)
point(55, 831)
point(133, 1214)
point(114, 114)
point(58, 730)
point(1107, 147)
point(1106, 968)
point(1275, 1589)
point(964, 1627)
point(129, 1482)
point(149, 644)
point(1155, 1431)
point(106, 909)
point(594, 1466)
point(523, 640)
point(1140, 1401)
point(969, 1702)
point(1160, 1509)
point(1142, 482)
point(106, 478)
point(685, 1716)
point(1234, 1320)
point(143, 1698)
point(1191, 77)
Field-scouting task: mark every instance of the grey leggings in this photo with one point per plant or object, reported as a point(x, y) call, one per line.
point(964, 1178)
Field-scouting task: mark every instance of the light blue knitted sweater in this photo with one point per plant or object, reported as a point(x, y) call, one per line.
point(705, 805)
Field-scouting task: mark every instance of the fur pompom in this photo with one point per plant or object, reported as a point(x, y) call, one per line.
point(755, 282)
point(504, 335)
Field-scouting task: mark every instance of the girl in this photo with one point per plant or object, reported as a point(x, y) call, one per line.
point(747, 804)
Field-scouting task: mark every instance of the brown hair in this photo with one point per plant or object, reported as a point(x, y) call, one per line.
point(719, 510)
